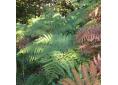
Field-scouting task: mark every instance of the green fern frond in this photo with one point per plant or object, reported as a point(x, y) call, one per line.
point(47, 44)
point(20, 31)
point(53, 71)
point(36, 79)
point(44, 51)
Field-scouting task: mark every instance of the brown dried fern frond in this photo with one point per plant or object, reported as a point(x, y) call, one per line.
point(89, 34)
point(97, 63)
point(89, 39)
point(68, 81)
point(96, 14)
point(77, 77)
point(89, 76)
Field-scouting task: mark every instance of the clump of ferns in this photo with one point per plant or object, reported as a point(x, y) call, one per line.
point(89, 40)
point(87, 75)
point(55, 53)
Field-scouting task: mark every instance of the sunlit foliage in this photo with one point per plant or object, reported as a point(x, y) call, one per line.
point(46, 44)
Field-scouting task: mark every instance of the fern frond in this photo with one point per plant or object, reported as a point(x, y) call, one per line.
point(92, 79)
point(53, 71)
point(54, 52)
point(36, 79)
point(89, 39)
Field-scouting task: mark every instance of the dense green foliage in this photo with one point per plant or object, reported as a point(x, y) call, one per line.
point(27, 9)
point(49, 50)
